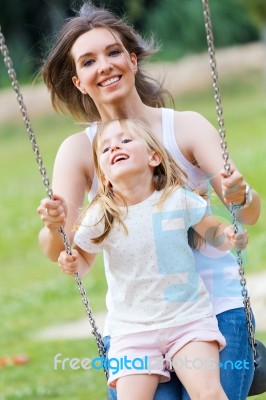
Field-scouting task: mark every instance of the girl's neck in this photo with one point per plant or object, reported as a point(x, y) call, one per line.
point(133, 194)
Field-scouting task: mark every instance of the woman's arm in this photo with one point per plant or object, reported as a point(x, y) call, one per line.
point(200, 144)
point(73, 170)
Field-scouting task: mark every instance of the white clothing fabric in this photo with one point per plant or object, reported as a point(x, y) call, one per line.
point(151, 274)
point(218, 269)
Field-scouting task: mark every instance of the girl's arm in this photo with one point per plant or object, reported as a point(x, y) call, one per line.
point(220, 235)
point(79, 261)
point(72, 174)
point(199, 142)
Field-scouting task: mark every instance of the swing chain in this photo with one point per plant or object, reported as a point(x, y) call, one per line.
point(227, 167)
point(42, 169)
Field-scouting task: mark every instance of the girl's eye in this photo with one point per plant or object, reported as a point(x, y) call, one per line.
point(126, 140)
point(106, 149)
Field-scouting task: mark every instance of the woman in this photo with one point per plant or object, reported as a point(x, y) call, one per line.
point(94, 72)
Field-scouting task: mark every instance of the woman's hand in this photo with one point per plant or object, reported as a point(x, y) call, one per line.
point(239, 240)
point(233, 187)
point(69, 263)
point(53, 212)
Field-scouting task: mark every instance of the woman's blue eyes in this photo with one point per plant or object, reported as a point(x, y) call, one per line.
point(112, 53)
point(88, 63)
point(122, 141)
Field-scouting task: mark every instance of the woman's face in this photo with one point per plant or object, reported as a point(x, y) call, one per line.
point(105, 70)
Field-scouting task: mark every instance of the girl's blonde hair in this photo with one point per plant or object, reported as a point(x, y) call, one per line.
point(167, 176)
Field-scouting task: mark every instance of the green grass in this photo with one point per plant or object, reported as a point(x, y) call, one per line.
point(34, 295)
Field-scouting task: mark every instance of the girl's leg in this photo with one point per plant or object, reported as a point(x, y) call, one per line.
point(236, 359)
point(166, 391)
point(140, 387)
point(196, 365)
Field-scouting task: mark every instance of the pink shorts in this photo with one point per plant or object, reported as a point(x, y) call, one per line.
point(151, 352)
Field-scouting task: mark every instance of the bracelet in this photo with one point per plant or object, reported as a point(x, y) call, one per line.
point(248, 199)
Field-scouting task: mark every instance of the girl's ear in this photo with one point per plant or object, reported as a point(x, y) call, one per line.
point(155, 159)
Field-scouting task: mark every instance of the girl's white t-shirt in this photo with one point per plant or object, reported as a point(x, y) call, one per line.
point(150, 271)
point(218, 269)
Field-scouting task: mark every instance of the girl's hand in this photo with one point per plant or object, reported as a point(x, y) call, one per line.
point(233, 187)
point(53, 212)
point(239, 240)
point(69, 263)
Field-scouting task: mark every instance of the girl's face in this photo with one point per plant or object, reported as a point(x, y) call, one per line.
point(105, 70)
point(123, 157)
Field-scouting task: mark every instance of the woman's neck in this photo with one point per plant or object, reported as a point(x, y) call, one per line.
point(132, 107)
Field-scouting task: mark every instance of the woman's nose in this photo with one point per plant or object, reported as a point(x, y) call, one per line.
point(105, 67)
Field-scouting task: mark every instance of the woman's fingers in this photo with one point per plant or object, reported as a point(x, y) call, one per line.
point(233, 187)
point(53, 212)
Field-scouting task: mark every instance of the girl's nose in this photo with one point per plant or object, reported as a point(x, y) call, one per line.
point(113, 148)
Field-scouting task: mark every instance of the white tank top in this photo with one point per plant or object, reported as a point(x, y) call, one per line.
point(218, 269)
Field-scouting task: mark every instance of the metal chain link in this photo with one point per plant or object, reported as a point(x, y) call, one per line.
point(227, 167)
point(42, 169)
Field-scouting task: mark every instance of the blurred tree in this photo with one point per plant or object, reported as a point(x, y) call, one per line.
point(135, 10)
point(30, 25)
point(25, 26)
point(257, 10)
point(179, 25)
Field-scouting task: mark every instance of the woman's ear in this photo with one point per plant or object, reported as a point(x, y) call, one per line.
point(78, 85)
point(134, 61)
point(155, 159)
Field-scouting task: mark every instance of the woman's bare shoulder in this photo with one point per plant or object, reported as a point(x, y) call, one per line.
point(194, 126)
point(78, 139)
point(190, 118)
point(76, 152)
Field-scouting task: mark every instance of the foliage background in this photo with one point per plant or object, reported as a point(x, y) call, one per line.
point(29, 27)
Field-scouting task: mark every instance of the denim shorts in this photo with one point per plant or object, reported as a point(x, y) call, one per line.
point(236, 362)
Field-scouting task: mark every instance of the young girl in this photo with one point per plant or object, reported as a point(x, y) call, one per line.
point(94, 71)
point(158, 306)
